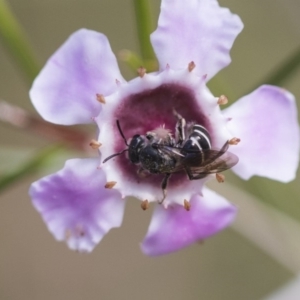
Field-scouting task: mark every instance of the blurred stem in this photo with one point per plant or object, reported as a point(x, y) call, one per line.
point(17, 43)
point(284, 70)
point(20, 118)
point(144, 27)
point(32, 165)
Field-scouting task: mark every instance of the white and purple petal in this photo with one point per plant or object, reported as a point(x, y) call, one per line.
point(175, 228)
point(195, 30)
point(75, 205)
point(266, 121)
point(65, 90)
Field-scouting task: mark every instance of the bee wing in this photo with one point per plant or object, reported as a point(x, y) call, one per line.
point(214, 162)
point(200, 162)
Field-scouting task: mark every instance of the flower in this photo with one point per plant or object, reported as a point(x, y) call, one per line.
point(85, 199)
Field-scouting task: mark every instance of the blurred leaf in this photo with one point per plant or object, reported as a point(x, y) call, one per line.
point(284, 71)
point(12, 157)
point(16, 41)
point(36, 162)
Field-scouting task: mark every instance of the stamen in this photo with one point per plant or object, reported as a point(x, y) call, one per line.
point(186, 205)
point(220, 177)
point(110, 184)
point(167, 67)
point(118, 82)
point(145, 204)
point(141, 71)
point(95, 144)
point(191, 66)
point(222, 100)
point(79, 230)
point(234, 141)
point(100, 98)
point(68, 234)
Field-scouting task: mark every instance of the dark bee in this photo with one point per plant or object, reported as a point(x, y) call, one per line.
point(190, 151)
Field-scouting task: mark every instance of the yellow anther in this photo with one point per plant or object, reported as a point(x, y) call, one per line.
point(234, 141)
point(191, 66)
point(68, 234)
point(95, 144)
point(110, 184)
point(145, 204)
point(141, 71)
point(100, 98)
point(220, 177)
point(186, 205)
point(222, 100)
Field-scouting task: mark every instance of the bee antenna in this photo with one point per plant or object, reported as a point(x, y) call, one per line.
point(124, 138)
point(113, 155)
point(122, 134)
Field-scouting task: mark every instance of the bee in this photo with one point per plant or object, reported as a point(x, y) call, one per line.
point(157, 152)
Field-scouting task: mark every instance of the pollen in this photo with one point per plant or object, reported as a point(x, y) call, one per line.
point(234, 141)
point(100, 98)
point(186, 205)
point(110, 184)
point(191, 66)
point(141, 71)
point(222, 100)
point(220, 177)
point(95, 144)
point(145, 204)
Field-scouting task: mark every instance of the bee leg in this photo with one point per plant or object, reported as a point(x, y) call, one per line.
point(164, 187)
point(142, 173)
point(180, 128)
point(220, 153)
point(194, 177)
point(225, 147)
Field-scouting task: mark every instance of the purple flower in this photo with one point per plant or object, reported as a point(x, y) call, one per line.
point(84, 200)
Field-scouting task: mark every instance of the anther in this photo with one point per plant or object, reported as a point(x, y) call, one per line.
point(186, 205)
point(100, 98)
point(110, 184)
point(220, 177)
point(141, 71)
point(191, 66)
point(79, 230)
point(118, 82)
point(95, 144)
point(234, 141)
point(167, 67)
point(145, 204)
point(222, 100)
point(68, 234)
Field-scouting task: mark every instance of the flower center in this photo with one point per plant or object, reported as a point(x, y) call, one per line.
point(149, 110)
